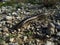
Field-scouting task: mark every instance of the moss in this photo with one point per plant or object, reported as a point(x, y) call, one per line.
point(1, 40)
point(30, 33)
point(50, 2)
point(11, 35)
point(1, 4)
point(34, 1)
point(9, 3)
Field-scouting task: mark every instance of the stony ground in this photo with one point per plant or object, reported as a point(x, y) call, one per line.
point(42, 30)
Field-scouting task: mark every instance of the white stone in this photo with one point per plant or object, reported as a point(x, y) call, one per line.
point(58, 33)
point(25, 37)
point(0, 28)
point(0, 11)
point(3, 8)
point(37, 29)
point(58, 22)
point(28, 27)
point(18, 17)
point(52, 25)
point(49, 43)
point(26, 13)
point(46, 13)
point(7, 34)
point(3, 22)
point(14, 13)
point(19, 30)
point(19, 9)
point(32, 28)
point(9, 13)
point(52, 30)
point(5, 29)
point(13, 44)
point(9, 17)
point(10, 22)
point(40, 11)
point(11, 39)
point(38, 40)
point(0, 25)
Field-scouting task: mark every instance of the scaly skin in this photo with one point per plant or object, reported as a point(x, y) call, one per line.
point(27, 20)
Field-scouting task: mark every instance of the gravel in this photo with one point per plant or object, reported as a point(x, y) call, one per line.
point(42, 30)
